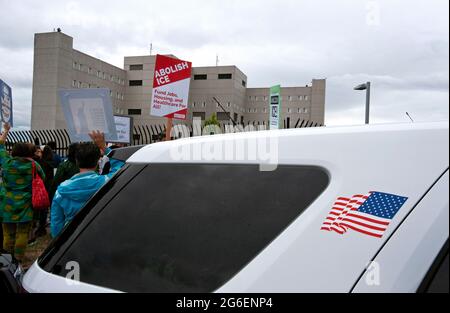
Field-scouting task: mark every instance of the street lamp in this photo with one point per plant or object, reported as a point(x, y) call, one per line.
point(365, 87)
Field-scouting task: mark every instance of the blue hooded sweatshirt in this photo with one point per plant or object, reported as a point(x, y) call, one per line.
point(73, 193)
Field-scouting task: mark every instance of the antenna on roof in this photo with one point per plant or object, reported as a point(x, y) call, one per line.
point(409, 117)
point(151, 48)
point(217, 60)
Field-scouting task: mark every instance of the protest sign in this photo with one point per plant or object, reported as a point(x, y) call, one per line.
point(124, 128)
point(275, 107)
point(6, 111)
point(170, 87)
point(86, 110)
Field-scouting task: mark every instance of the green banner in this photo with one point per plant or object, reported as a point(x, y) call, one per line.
point(275, 107)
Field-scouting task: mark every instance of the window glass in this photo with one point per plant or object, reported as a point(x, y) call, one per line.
point(134, 111)
point(187, 227)
point(135, 82)
point(136, 67)
point(200, 77)
point(225, 76)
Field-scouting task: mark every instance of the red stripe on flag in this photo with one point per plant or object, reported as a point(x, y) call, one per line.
point(363, 224)
point(368, 219)
point(364, 232)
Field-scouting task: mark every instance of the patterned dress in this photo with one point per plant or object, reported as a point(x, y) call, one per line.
point(16, 176)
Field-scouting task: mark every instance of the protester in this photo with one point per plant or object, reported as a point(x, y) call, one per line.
point(43, 156)
point(72, 194)
point(65, 170)
point(17, 205)
point(2, 196)
point(57, 159)
point(105, 165)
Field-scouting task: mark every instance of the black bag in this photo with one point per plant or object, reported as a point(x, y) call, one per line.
point(10, 274)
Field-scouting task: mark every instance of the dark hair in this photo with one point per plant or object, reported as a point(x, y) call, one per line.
point(23, 150)
point(47, 154)
point(71, 152)
point(87, 155)
point(52, 145)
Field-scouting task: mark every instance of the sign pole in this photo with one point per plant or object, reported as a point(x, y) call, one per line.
point(169, 124)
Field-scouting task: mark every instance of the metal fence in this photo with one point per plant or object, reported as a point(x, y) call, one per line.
point(142, 134)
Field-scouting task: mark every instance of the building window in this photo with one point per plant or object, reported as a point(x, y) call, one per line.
point(265, 98)
point(98, 74)
point(200, 77)
point(306, 98)
point(134, 111)
point(80, 66)
point(104, 75)
point(244, 83)
point(112, 78)
point(223, 116)
point(289, 98)
point(228, 104)
point(74, 83)
point(289, 110)
point(74, 65)
point(300, 98)
point(90, 70)
point(136, 67)
point(193, 104)
point(202, 115)
point(204, 104)
point(225, 76)
point(79, 84)
point(135, 82)
point(249, 110)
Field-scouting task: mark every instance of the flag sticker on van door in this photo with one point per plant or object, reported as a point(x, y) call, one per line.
point(369, 214)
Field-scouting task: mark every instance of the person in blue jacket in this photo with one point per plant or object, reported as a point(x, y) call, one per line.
point(73, 193)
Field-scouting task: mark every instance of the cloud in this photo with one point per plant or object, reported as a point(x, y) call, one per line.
point(401, 47)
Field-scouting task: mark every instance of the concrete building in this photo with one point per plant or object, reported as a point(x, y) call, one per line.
point(58, 65)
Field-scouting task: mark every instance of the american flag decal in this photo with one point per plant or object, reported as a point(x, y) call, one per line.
point(369, 214)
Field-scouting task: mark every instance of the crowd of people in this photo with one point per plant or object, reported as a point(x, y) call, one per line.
point(69, 183)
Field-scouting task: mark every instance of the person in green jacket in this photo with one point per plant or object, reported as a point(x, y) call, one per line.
point(16, 204)
point(66, 170)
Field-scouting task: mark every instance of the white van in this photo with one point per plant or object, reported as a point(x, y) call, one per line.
point(331, 209)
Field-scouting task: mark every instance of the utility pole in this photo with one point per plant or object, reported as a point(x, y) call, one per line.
point(409, 117)
point(365, 87)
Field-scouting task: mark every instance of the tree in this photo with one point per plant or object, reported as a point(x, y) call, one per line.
point(212, 125)
point(212, 120)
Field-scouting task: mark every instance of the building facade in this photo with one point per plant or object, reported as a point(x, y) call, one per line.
point(57, 65)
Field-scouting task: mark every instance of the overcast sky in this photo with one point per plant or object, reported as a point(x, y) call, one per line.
point(401, 46)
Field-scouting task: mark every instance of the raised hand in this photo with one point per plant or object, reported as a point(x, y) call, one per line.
point(5, 133)
point(99, 139)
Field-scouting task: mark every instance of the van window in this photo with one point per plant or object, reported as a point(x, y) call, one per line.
point(188, 227)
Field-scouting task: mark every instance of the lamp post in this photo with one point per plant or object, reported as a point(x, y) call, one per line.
point(365, 87)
